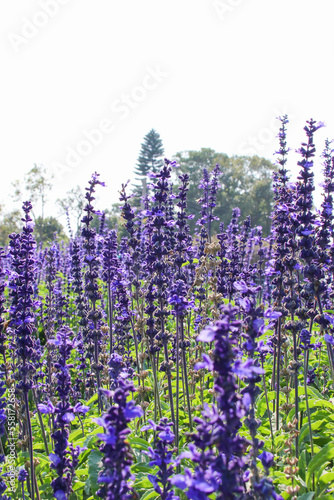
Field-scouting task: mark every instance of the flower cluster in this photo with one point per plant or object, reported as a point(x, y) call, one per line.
point(117, 458)
point(65, 457)
point(162, 457)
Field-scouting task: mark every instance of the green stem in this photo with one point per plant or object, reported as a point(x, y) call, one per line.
point(184, 362)
point(156, 389)
point(41, 423)
point(307, 405)
point(268, 409)
point(278, 371)
point(31, 453)
point(177, 384)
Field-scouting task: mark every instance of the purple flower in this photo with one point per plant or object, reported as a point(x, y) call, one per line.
point(329, 339)
point(65, 457)
point(267, 459)
point(117, 458)
point(161, 456)
point(206, 363)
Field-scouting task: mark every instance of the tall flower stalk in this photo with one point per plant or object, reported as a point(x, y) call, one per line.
point(116, 475)
point(91, 285)
point(22, 248)
point(65, 457)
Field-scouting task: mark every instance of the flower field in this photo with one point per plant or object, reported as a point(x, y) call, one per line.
point(168, 366)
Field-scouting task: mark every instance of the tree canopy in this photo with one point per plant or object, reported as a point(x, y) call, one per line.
point(149, 160)
point(245, 182)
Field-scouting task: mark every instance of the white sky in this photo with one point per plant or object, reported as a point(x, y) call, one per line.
point(203, 73)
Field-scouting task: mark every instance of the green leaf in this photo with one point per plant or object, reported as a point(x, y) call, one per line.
point(91, 400)
point(305, 429)
point(143, 483)
point(313, 391)
point(74, 435)
point(90, 440)
point(79, 485)
point(94, 467)
point(81, 472)
point(141, 467)
point(325, 481)
point(139, 443)
point(262, 403)
point(312, 404)
point(149, 494)
point(87, 487)
point(326, 454)
point(307, 496)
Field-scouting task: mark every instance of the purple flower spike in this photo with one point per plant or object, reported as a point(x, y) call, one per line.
point(117, 454)
point(161, 456)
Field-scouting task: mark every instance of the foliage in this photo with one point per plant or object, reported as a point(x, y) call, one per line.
point(47, 228)
point(245, 183)
point(149, 160)
point(37, 184)
point(9, 223)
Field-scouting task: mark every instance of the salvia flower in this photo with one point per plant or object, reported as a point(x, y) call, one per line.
point(22, 477)
point(162, 457)
point(218, 429)
point(65, 457)
point(3, 419)
point(117, 460)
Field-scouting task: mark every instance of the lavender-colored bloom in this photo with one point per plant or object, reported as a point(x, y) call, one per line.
point(218, 427)
point(91, 258)
point(65, 457)
point(267, 459)
point(110, 274)
point(22, 254)
point(116, 365)
point(161, 456)
point(3, 309)
point(3, 419)
point(329, 338)
point(311, 376)
point(305, 339)
point(117, 459)
point(22, 477)
point(22, 249)
point(177, 298)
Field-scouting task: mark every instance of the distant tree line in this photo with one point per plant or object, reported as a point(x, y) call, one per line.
point(245, 182)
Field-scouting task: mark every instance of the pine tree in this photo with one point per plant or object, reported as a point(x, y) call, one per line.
point(149, 160)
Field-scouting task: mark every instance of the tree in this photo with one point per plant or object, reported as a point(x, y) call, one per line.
point(37, 183)
point(245, 182)
point(73, 205)
point(149, 160)
point(46, 229)
point(9, 223)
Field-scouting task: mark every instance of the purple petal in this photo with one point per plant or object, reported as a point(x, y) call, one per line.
point(48, 408)
point(54, 459)
point(131, 411)
point(80, 408)
point(329, 338)
point(60, 495)
point(68, 417)
point(179, 481)
point(207, 335)
point(206, 363)
point(109, 438)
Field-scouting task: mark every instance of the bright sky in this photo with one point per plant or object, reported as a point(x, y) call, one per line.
point(83, 82)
